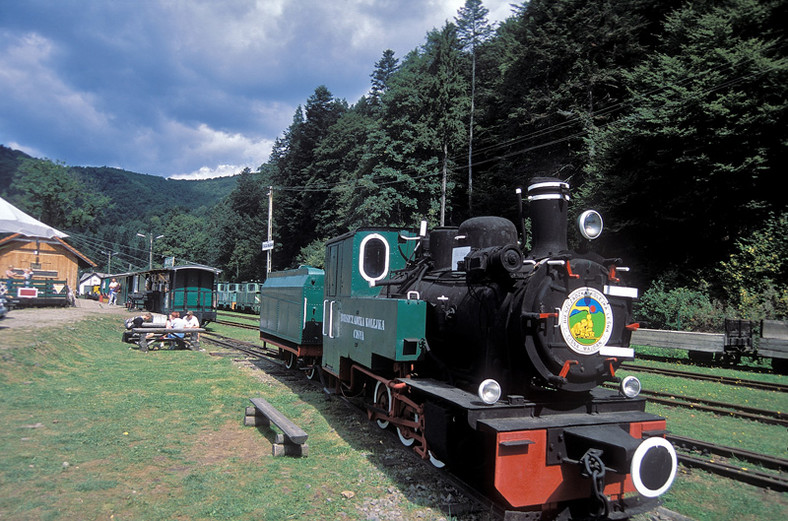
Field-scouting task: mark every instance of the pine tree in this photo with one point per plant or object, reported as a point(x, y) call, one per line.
point(473, 29)
point(297, 177)
point(384, 68)
point(448, 98)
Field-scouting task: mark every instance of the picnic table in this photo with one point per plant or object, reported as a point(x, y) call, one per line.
point(146, 337)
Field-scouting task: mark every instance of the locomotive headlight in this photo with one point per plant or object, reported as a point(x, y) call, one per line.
point(489, 391)
point(630, 387)
point(590, 223)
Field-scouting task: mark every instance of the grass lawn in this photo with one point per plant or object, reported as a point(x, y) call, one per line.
point(94, 430)
point(705, 496)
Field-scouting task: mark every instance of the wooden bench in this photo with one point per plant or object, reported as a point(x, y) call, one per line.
point(292, 440)
point(151, 335)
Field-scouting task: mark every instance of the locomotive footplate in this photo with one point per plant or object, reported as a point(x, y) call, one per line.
point(517, 413)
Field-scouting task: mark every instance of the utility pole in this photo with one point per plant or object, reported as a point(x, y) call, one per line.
point(150, 257)
point(109, 260)
point(270, 228)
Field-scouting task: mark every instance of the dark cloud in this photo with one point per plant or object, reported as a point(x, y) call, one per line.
point(175, 87)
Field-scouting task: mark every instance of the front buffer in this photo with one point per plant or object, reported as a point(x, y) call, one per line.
point(595, 470)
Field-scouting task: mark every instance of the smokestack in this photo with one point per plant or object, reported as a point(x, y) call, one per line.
point(548, 200)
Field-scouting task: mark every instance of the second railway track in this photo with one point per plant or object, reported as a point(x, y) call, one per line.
point(727, 380)
point(236, 324)
point(777, 482)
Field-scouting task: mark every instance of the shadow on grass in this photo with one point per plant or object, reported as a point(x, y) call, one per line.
point(416, 479)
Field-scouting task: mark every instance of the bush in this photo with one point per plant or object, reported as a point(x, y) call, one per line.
point(755, 276)
point(680, 309)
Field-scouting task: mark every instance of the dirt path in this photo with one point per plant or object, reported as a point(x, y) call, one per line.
point(32, 318)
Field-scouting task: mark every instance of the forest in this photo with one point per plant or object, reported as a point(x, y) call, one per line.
point(669, 118)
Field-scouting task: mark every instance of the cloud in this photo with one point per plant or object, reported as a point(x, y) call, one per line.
point(210, 173)
point(34, 94)
point(189, 87)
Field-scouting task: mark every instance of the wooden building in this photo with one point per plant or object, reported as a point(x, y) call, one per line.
point(49, 259)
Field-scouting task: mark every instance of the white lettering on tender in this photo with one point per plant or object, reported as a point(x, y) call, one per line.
point(368, 322)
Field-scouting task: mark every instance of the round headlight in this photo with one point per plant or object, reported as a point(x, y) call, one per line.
point(590, 223)
point(630, 387)
point(489, 391)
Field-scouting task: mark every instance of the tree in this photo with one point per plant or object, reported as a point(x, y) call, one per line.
point(240, 224)
point(384, 69)
point(295, 175)
point(56, 196)
point(694, 165)
point(340, 160)
point(447, 96)
point(560, 73)
point(472, 29)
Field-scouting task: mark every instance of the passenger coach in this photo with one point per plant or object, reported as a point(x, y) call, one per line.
point(179, 288)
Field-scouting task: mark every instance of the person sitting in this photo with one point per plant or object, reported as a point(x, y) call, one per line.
point(175, 322)
point(192, 322)
point(138, 321)
point(9, 273)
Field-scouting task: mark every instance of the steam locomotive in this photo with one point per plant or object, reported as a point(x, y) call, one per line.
point(485, 359)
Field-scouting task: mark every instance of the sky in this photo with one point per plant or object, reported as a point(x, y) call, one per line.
point(189, 88)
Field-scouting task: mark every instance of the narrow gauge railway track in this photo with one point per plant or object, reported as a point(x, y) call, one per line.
point(483, 504)
point(236, 324)
point(741, 382)
point(721, 408)
point(241, 316)
point(239, 345)
point(776, 482)
point(769, 462)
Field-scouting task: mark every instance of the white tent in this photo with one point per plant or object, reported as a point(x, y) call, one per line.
point(14, 220)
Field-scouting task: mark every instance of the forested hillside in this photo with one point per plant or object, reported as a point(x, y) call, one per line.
point(668, 117)
point(104, 208)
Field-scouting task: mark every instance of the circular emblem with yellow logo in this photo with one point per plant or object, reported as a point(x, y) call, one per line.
point(586, 320)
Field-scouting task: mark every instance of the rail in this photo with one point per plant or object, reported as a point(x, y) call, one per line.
point(687, 340)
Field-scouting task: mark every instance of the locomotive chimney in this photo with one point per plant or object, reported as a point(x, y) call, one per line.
point(548, 199)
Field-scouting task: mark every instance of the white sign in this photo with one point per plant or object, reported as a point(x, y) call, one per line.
point(268, 245)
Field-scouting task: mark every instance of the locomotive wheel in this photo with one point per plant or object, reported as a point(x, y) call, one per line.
point(383, 401)
point(311, 373)
point(405, 434)
point(290, 360)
